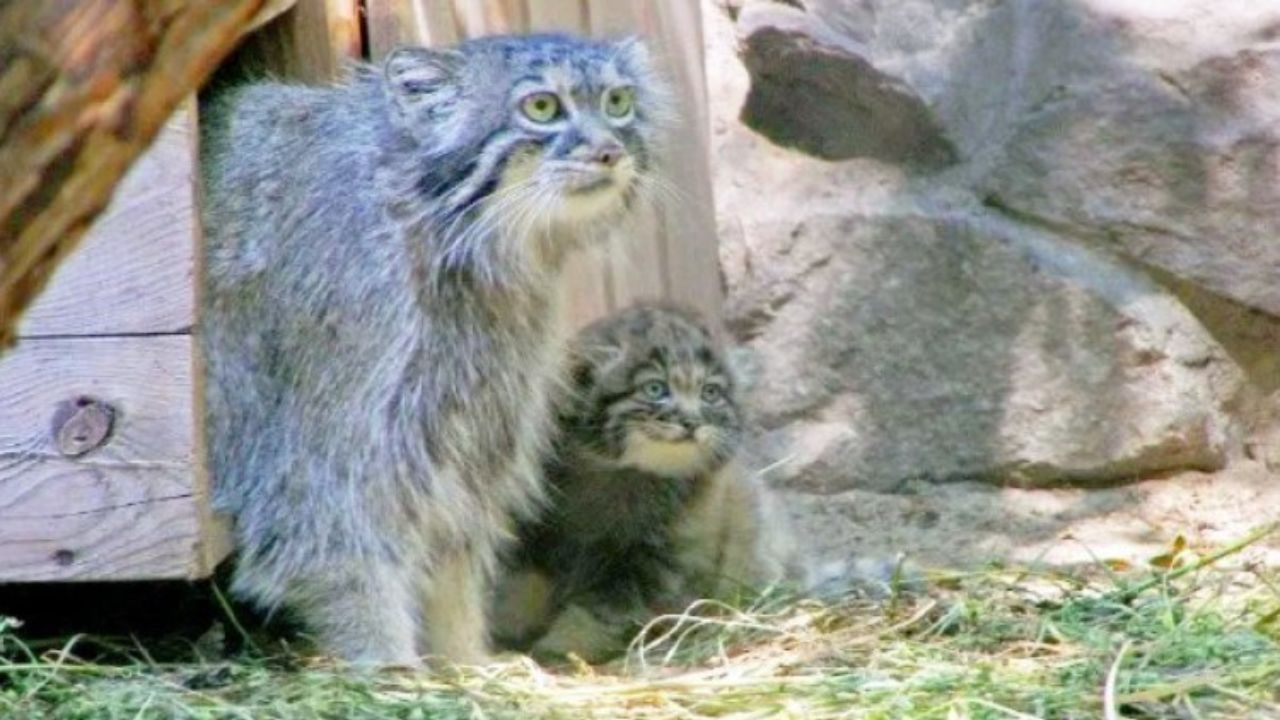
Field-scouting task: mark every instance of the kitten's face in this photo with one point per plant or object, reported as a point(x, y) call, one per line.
point(534, 130)
point(657, 396)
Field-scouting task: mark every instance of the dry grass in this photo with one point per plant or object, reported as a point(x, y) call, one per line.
point(1197, 638)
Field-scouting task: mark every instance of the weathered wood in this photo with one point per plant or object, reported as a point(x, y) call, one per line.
point(691, 246)
point(85, 85)
point(133, 508)
point(134, 271)
point(409, 22)
point(552, 15)
point(310, 42)
point(63, 520)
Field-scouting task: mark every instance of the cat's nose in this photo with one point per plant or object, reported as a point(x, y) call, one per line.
point(609, 153)
point(689, 424)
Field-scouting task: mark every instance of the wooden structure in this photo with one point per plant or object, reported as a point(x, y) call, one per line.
point(85, 85)
point(101, 452)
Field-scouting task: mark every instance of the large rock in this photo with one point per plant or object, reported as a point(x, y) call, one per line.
point(957, 346)
point(1151, 126)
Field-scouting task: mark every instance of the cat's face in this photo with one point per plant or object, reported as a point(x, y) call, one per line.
point(654, 393)
point(533, 131)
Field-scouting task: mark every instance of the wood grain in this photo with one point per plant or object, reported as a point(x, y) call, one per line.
point(310, 43)
point(135, 508)
point(65, 520)
point(134, 271)
point(147, 380)
point(409, 22)
point(563, 15)
point(691, 245)
point(85, 86)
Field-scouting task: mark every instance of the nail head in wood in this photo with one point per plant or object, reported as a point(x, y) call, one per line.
point(82, 425)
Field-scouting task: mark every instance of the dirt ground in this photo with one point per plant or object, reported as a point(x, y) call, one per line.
point(967, 524)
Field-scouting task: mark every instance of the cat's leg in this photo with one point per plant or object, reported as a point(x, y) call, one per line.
point(363, 614)
point(522, 606)
point(591, 636)
point(455, 625)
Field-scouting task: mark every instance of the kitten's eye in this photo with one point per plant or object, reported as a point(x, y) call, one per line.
point(618, 101)
point(712, 394)
point(542, 107)
point(654, 390)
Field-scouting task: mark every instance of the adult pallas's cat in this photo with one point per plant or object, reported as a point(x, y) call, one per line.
point(381, 327)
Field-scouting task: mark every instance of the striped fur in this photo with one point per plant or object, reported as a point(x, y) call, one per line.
point(649, 509)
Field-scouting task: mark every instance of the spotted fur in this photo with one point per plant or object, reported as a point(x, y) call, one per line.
point(381, 326)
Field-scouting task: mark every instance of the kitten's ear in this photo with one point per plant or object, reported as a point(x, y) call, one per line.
point(415, 74)
point(595, 363)
point(745, 366)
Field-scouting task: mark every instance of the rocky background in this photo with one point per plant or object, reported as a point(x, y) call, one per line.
point(1011, 268)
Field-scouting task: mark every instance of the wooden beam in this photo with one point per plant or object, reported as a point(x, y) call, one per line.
point(134, 272)
point(85, 86)
point(100, 462)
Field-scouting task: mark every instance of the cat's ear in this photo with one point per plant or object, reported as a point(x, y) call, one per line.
point(596, 363)
point(745, 367)
point(420, 76)
point(635, 54)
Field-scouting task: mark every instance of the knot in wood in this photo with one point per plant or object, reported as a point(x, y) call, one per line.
point(82, 425)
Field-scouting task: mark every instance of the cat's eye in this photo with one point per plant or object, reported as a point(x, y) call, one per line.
point(712, 394)
point(654, 390)
point(618, 101)
point(542, 107)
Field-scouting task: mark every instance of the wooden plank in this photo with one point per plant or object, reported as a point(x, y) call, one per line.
point(409, 22)
point(587, 296)
point(133, 272)
point(691, 246)
point(636, 263)
point(310, 42)
point(66, 520)
point(610, 18)
point(84, 88)
point(136, 507)
point(490, 17)
point(557, 15)
point(147, 380)
point(213, 530)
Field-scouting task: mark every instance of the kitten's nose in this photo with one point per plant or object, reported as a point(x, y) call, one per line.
point(689, 424)
point(608, 154)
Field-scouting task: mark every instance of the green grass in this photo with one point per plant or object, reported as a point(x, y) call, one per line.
point(1199, 638)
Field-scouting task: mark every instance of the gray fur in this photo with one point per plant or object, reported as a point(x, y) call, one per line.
point(381, 323)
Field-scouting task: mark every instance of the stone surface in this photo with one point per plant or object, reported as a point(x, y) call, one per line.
point(812, 91)
point(961, 347)
point(1053, 339)
point(968, 524)
point(1154, 127)
point(905, 331)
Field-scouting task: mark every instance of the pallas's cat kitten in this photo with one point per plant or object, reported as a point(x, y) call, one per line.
point(381, 326)
point(647, 508)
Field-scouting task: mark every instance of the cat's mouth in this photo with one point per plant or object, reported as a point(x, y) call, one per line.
point(678, 434)
point(591, 186)
point(585, 179)
point(672, 457)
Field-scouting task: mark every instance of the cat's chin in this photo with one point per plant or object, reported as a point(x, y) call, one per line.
point(679, 458)
point(593, 204)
